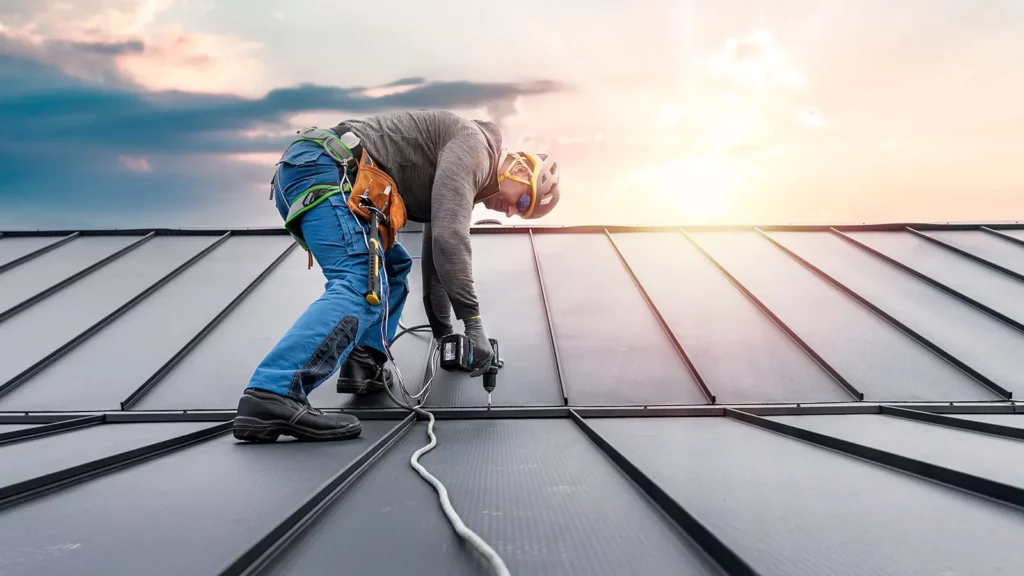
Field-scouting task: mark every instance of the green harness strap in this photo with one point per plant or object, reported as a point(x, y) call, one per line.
point(306, 201)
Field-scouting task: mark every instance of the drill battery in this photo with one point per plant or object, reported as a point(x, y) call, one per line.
point(457, 354)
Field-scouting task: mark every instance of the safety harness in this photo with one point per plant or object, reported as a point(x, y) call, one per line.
point(373, 188)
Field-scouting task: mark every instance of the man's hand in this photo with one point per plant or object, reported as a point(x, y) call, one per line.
point(482, 352)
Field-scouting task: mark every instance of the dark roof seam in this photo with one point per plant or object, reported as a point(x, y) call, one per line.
point(948, 477)
point(779, 323)
point(909, 332)
point(967, 254)
point(50, 429)
point(47, 483)
point(535, 412)
point(1003, 236)
point(159, 375)
point(952, 422)
point(661, 320)
point(261, 552)
point(547, 317)
point(52, 357)
point(39, 252)
point(716, 550)
point(46, 293)
point(928, 279)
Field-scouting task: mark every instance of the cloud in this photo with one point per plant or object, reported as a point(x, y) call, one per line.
point(810, 117)
point(118, 42)
point(757, 61)
point(171, 151)
point(134, 163)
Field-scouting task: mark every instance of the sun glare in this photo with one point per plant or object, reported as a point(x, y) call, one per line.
point(695, 190)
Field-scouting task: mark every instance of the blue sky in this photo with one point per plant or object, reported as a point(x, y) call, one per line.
point(124, 113)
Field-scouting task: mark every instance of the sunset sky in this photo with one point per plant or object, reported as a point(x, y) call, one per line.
point(136, 113)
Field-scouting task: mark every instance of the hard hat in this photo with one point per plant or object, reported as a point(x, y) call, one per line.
point(543, 183)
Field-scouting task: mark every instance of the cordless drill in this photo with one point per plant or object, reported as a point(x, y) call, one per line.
point(457, 356)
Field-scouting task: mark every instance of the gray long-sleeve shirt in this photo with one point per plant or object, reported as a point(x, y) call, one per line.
point(442, 164)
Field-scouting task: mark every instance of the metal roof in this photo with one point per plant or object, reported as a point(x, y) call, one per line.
point(778, 401)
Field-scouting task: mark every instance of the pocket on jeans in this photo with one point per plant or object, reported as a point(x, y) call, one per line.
point(299, 169)
point(352, 227)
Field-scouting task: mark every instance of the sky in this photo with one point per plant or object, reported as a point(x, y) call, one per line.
point(172, 113)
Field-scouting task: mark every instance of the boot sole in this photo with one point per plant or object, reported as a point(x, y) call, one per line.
point(250, 429)
point(354, 387)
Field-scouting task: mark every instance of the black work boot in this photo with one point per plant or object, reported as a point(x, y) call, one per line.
point(263, 416)
point(363, 372)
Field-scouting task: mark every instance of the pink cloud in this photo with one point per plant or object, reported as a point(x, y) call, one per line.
point(108, 40)
point(134, 164)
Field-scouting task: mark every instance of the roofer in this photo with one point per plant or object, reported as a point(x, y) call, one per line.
point(425, 166)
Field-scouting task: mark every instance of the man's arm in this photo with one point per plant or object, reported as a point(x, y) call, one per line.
point(462, 166)
point(435, 298)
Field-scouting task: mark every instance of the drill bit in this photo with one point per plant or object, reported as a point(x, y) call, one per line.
point(488, 400)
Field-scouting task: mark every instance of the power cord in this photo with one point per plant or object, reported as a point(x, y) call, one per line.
point(460, 527)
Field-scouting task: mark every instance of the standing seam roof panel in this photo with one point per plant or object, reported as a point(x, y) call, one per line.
point(47, 454)
point(793, 509)
point(538, 491)
point(985, 245)
point(873, 355)
point(985, 455)
point(984, 343)
point(22, 282)
point(13, 248)
point(741, 353)
point(71, 311)
point(992, 288)
point(1014, 420)
point(512, 312)
point(612, 348)
point(109, 366)
point(189, 512)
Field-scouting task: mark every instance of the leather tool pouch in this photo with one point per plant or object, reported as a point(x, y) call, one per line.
point(375, 184)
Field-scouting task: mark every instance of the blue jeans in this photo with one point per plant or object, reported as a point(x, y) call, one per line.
point(322, 337)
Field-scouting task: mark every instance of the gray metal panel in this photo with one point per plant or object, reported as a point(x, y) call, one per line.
point(537, 490)
point(612, 349)
point(985, 455)
point(108, 367)
point(513, 313)
point(990, 247)
point(413, 243)
point(15, 427)
point(1015, 233)
point(38, 274)
point(741, 353)
point(1014, 420)
point(873, 355)
point(74, 309)
point(984, 343)
point(186, 513)
point(793, 509)
point(48, 454)
point(13, 248)
point(989, 287)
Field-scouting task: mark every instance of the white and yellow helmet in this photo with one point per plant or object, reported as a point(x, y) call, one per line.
point(543, 183)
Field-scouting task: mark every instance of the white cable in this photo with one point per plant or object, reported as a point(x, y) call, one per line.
point(460, 527)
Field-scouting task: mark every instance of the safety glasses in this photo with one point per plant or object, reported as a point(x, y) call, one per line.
point(524, 202)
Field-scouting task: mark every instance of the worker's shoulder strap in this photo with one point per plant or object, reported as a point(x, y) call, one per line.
point(344, 149)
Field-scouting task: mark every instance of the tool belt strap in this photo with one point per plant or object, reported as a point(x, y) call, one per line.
point(371, 182)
